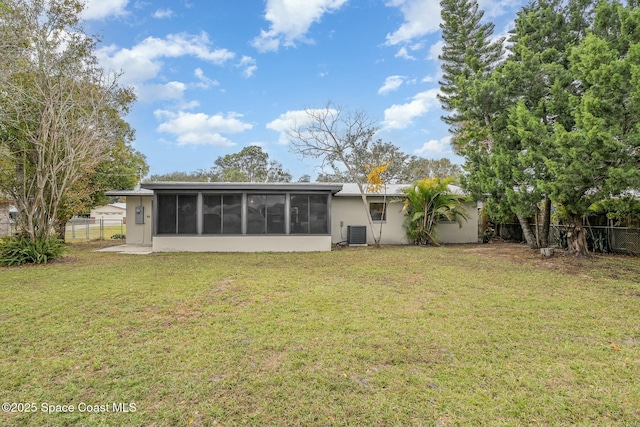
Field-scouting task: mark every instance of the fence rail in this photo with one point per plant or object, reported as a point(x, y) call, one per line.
point(621, 240)
point(79, 229)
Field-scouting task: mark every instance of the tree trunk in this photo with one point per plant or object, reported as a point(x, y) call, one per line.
point(526, 232)
point(383, 219)
point(60, 229)
point(577, 238)
point(546, 223)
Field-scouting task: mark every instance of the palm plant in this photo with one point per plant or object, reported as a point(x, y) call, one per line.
point(427, 203)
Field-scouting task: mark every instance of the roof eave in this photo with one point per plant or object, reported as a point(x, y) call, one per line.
point(243, 186)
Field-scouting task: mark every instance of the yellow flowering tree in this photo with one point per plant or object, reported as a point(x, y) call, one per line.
point(377, 179)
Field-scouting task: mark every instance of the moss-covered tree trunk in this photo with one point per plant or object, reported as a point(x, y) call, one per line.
point(546, 223)
point(577, 237)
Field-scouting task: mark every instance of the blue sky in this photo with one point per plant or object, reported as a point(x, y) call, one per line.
point(215, 76)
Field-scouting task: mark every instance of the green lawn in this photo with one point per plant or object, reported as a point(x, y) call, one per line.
point(84, 232)
point(466, 335)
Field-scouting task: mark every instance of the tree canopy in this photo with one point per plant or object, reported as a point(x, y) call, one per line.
point(251, 164)
point(60, 113)
point(561, 121)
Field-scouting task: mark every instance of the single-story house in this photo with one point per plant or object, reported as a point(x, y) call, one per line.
point(8, 215)
point(278, 217)
point(111, 212)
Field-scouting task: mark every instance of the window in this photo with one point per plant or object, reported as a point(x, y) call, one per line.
point(378, 211)
point(265, 214)
point(221, 214)
point(177, 214)
point(215, 214)
point(167, 213)
point(309, 214)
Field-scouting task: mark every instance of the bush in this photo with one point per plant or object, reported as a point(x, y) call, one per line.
point(118, 237)
point(19, 250)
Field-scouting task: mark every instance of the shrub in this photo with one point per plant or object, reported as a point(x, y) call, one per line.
point(427, 203)
point(118, 237)
point(20, 249)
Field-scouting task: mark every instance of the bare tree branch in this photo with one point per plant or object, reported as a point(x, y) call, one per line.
point(336, 136)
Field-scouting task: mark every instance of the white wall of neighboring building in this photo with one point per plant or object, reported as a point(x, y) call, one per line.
point(5, 221)
point(113, 212)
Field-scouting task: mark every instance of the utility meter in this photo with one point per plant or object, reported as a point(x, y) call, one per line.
point(139, 214)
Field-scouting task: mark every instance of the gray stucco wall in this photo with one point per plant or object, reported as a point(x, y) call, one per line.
point(350, 211)
point(139, 234)
point(345, 211)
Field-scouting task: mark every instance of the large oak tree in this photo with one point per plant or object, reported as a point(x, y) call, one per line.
point(60, 112)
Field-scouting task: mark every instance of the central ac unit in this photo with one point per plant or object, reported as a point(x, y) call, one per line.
point(357, 234)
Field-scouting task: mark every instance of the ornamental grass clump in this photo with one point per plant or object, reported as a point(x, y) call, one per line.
point(20, 249)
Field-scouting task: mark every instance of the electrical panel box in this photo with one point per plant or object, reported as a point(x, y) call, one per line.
point(139, 214)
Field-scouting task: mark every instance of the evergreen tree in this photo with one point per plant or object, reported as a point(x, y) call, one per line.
point(467, 55)
point(598, 157)
point(532, 79)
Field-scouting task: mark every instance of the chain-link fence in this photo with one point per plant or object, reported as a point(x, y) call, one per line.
point(95, 229)
point(622, 240)
point(79, 229)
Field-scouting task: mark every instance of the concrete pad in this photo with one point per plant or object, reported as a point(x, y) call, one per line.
point(128, 249)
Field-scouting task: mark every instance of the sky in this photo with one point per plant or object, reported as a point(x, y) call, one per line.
point(214, 76)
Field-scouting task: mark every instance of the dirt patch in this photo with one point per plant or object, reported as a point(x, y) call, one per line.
point(620, 267)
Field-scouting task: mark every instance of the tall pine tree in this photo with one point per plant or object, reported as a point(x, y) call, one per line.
point(468, 55)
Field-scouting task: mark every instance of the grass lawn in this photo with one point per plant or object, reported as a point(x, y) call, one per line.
point(460, 335)
point(84, 232)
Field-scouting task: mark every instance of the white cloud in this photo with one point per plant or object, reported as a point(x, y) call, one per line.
point(421, 17)
point(435, 50)
point(101, 9)
point(200, 128)
point(163, 13)
point(401, 116)
point(435, 147)
point(290, 20)
point(391, 83)
point(403, 53)
point(248, 64)
point(293, 120)
point(141, 4)
point(493, 8)
point(156, 92)
point(143, 62)
point(205, 82)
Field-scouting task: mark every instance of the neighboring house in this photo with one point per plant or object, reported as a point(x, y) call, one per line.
point(254, 217)
point(8, 214)
point(112, 212)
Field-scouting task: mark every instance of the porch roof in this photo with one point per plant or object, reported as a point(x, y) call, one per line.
point(243, 186)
